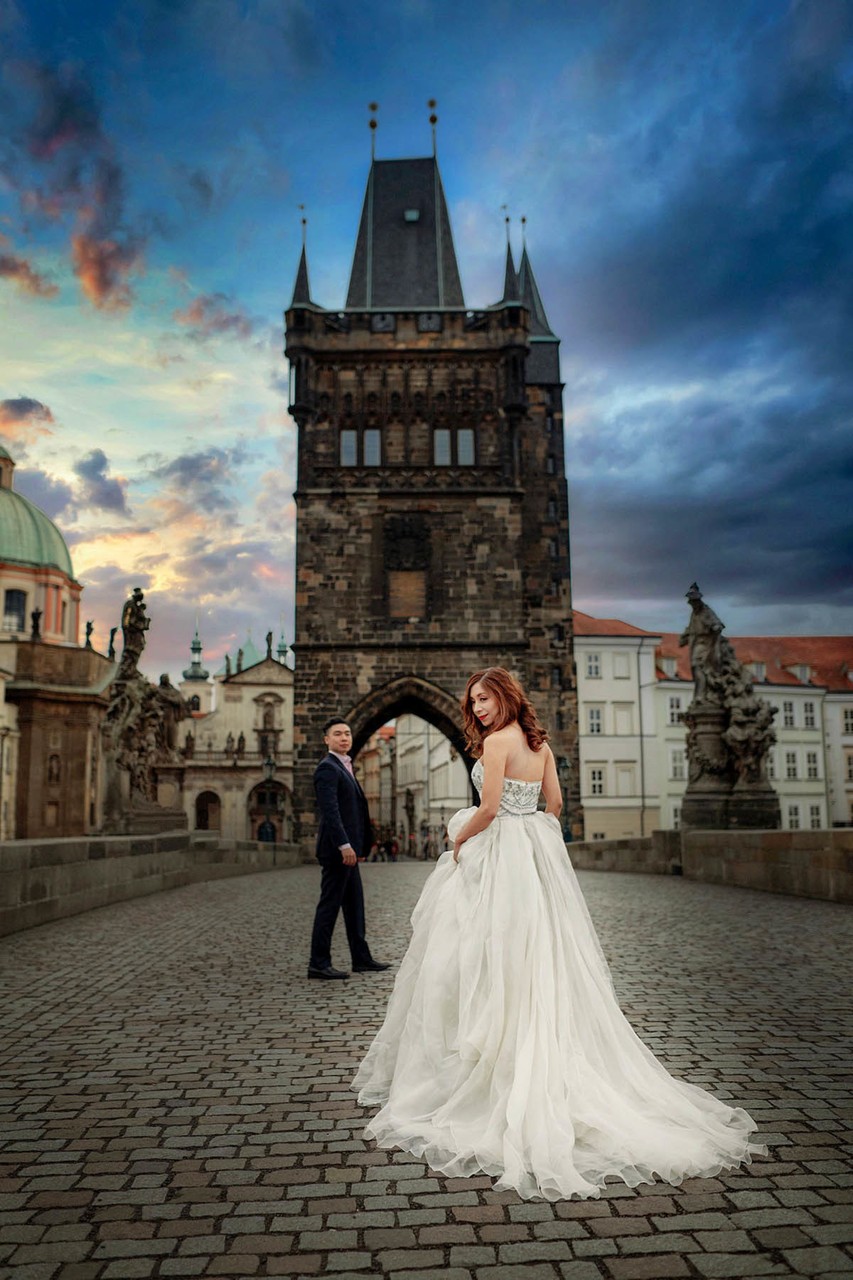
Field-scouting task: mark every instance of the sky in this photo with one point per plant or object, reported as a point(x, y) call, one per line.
point(686, 172)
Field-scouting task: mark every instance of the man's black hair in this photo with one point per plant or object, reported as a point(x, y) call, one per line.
point(334, 720)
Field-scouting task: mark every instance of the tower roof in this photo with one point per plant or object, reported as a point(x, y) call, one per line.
point(302, 289)
point(511, 289)
point(404, 254)
point(539, 326)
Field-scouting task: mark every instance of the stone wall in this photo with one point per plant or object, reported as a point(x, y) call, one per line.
point(808, 864)
point(47, 879)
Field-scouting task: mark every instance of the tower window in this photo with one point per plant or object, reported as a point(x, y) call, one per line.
point(349, 448)
point(465, 447)
point(407, 593)
point(441, 447)
point(372, 447)
point(453, 448)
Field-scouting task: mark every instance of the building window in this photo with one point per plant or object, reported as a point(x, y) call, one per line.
point(814, 817)
point(676, 764)
point(624, 780)
point(63, 626)
point(808, 715)
point(848, 719)
point(771, 765)
point(551, 465)
point(849, 762)
point(623, 720)
point(556, 678)
point(669, 666)
point(676, 817)
point(598, 835)
point(596, 780)
point(675, 711)
point(793, 817)
point(552, 508)
point(453, 448)
point(803, 672)
point(407, 593)
point(465, 447)
point(791, 765)
point(788, 715)
point(553, 548)
point(759, 670)
point(15, 610)
point(372, 447)
point(812, 765)
point(349, 448)
point(593, 666)
point(594, 722)
point(621, 666)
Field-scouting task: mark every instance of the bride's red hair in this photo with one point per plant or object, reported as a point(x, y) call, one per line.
point(513, 704)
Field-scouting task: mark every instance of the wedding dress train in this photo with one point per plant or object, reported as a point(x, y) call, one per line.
point(504, 1050)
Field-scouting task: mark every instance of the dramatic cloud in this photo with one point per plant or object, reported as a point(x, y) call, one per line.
point(97, 489)
point(26, 277)
point(53, 497)
point(25, 419)
point(62, 163)
point(214, 315)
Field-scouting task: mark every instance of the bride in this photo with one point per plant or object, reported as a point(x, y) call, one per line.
point(504, 1050)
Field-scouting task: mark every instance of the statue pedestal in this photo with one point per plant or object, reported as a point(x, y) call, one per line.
point(754, 807)
point(706, 799)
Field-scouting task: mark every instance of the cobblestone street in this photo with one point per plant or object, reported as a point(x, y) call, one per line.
point(175, 1100)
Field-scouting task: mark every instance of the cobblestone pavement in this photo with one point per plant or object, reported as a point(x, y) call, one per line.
point(175, 1097)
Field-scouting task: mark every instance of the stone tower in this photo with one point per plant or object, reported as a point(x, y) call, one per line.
point(432, 511)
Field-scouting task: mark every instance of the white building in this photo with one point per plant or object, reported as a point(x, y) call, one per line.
point(432, 783)
point(238, 748)
point(632, 738)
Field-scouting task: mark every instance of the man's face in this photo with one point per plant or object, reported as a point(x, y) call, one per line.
point(339, 739)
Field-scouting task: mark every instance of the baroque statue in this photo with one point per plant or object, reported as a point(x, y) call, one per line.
point(729, 732)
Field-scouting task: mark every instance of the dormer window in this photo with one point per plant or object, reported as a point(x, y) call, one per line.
point(669, 666)
point(759, 670)
point(411, 215)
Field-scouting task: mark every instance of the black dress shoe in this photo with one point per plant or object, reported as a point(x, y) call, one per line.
point(372, 966)
point(326, 974)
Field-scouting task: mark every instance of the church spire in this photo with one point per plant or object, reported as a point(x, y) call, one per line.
point(531, 299)
point(301, 290)
point(195, 671)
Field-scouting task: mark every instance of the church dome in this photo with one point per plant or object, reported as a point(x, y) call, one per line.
point(27, 535)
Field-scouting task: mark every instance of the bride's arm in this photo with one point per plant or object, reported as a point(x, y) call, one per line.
point(495, 752)
point(551, 786)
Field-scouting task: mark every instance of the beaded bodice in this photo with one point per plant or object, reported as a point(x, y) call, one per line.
point(517, 799)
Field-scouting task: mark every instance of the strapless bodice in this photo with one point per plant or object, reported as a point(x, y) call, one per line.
point(517, 798)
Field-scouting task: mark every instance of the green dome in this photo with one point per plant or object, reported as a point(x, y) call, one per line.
point(27, 536)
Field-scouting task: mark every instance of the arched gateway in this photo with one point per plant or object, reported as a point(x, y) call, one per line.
point(432, 511)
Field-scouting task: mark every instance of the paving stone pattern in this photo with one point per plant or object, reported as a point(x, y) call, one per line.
point(175, 1102)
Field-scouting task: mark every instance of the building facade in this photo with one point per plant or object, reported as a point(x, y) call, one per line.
point(432, 510)
point(633, 740)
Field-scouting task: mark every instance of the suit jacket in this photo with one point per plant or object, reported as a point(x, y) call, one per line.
point(344, 816)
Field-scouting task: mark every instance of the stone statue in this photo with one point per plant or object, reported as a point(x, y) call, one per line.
point(35, 620)
point(111, 652)
point(229, 744)
point(227, 665)
point(189, 746)
point(90, 627)
point(140, 733)
point(729, 733)
point(134, 623)
point(269, 644)
point(702, 634)
point(239, 659)
point(241, 745)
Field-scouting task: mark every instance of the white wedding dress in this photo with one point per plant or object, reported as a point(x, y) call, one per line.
point(504, 1050)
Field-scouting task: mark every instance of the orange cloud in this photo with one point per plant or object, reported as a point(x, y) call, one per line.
point(25, 419)
point(102, 267)
point(26, 277)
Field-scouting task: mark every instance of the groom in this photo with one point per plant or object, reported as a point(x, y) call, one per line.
point(343, 836)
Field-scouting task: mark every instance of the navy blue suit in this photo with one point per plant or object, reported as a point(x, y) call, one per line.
point(344, 819)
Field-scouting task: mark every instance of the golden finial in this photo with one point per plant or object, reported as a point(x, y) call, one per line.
point(433, 120)
point(373, 107)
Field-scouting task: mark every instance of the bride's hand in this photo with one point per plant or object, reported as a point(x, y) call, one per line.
point(457, 845)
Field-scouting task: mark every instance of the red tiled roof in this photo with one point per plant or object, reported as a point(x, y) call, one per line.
point(584, 625)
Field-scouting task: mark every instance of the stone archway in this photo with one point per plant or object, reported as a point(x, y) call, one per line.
point(411, 694)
